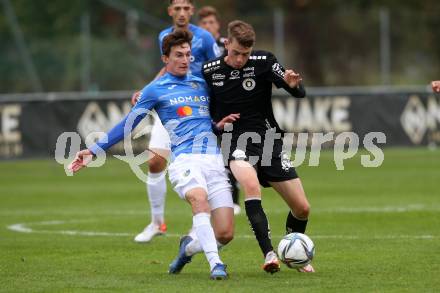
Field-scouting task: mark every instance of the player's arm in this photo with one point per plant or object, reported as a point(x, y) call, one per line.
point(288, 79)
point(117, 133)
point(436, 86)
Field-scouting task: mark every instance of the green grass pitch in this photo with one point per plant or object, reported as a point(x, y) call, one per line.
point(375, 230)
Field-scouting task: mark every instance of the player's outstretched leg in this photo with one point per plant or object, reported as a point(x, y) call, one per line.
point(247, 177)
point(223, 225)
point(260, 226)
point(293, 193)
point(197, 197)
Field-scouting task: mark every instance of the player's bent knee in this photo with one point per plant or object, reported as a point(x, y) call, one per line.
point(225, 237)
point(251, 187)
point(157, 164)
point(198, 202)
point(302, 211)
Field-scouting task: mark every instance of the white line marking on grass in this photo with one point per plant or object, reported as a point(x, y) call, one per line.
point(20, 228)
point(383, 209)
point(336, 210)
point(25, 228)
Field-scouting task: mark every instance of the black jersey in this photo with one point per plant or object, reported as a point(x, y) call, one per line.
point(247, 91)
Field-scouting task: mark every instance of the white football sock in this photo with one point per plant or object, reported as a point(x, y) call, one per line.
point(205, 234)
point(194, 246)
point(192, 233)
point(156, 191)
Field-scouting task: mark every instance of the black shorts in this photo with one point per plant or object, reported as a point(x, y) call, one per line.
point(271, 164)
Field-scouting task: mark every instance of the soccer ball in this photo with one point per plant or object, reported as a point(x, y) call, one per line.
point(296, 250)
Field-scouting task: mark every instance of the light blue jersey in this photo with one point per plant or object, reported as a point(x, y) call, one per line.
point(182, 104)
point(203, 47)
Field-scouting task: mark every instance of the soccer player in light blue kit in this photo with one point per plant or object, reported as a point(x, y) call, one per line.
point(197, 171)
point(203, 45)
point(203, 48)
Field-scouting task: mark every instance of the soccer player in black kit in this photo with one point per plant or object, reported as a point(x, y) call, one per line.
point(241, 83)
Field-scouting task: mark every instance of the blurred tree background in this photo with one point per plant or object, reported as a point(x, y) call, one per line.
point(58, 45)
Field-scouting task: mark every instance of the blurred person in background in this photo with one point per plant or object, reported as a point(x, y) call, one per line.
point(436, 86)
point(209, 19)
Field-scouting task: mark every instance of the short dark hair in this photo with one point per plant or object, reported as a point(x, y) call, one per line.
point(176, 38)
point(189, 1)
point(243, 32)
point(206, 11)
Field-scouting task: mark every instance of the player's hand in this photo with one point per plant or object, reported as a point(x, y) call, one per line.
point(436, 86)
point(135, 97)
point(228, 119)
point(292, 78)
point(81, 160)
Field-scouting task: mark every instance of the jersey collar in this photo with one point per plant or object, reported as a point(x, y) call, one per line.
point(178, 77)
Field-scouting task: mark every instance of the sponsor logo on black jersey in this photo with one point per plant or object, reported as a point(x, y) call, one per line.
point(278, 70)
point(249, 84)
point(218, 76)
point(249, 74)
point(235, 74)
point(219, 83)
point(209, 69)
point(249, 71)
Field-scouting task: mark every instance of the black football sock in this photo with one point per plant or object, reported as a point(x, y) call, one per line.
point(259, 224)
point(294, 224)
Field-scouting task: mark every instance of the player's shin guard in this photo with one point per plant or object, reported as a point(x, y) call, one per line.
point(157, 188)
point(206, 236)
point(294, 224)
point(258, 221)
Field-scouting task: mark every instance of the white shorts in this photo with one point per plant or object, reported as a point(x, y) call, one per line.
point(189, 171)
point(159, 138)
